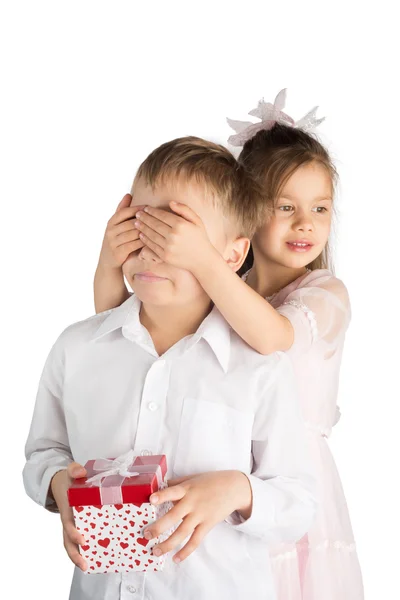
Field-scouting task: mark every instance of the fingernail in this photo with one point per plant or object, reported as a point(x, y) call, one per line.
point(138, 214)
point(154, 499)
point(147, 535)
point(176, 558)
point(146, 209)
point(157, 552)
point(137, 224)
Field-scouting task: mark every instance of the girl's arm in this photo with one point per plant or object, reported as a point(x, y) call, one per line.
point(319, 309)
point(120, 239)
point(109, 288)
point(183, 242)
point(248, 313)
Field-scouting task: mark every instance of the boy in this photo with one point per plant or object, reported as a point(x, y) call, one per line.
point(164, 373)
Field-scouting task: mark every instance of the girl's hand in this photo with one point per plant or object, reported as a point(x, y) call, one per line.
point(121, 237)
point(201, 502)
point(177, 239)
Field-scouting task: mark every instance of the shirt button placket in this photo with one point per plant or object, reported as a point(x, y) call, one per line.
point(132, 587)
point(152, 409)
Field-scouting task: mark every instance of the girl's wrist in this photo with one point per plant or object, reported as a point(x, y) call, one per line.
point(205, 262)
point(108, 270)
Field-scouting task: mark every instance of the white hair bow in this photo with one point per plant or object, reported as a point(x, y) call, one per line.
point(269, 115)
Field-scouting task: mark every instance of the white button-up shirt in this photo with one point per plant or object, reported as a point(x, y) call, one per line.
point(209, 403)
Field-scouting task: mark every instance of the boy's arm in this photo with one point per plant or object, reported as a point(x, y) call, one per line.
point(282, 477)
point(47, 449)
point(49, 467)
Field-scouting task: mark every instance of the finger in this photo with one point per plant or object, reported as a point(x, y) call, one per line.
point(185, 529)
point(168, 495)
point(75, 470)
point(158, 251)
point(73, 553)
point(150, 233)
point(194, 542)
point(123, 227)
point(123, 252)
point(163, 215)
point(178, 480)
point(124, 214)
point(159, 226)
point(186, 212)
point(125, 238)
point(147, 254)
point(169, 520)
point(126, 201)
point(73, 534)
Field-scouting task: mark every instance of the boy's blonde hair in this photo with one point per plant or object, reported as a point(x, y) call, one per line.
point(228, 183)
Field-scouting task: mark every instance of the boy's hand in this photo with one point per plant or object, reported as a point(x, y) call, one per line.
point(59, 486)
point(201, 502)
point(177, 239)
point(121, 237)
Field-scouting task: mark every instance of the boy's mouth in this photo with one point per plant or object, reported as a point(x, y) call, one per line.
point(149, 277)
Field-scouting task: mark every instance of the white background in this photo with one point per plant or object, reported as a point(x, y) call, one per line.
point(89, 88)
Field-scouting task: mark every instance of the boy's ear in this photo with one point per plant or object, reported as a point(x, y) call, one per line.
point(236, 253)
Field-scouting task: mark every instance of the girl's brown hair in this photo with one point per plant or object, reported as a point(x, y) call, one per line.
point(272, 156)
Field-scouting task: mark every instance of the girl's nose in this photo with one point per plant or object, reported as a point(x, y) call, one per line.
point(303, 223)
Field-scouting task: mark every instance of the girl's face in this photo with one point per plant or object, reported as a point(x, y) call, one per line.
point(299, 228)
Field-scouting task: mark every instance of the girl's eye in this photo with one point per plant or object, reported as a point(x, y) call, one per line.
point(286, 208)
point(321, 209)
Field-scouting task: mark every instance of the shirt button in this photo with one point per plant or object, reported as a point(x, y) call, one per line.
point(152, 406)
point(146, 453)
point(131, 589)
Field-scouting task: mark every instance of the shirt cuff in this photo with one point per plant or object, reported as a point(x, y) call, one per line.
point(256, 523)
point(45, 499)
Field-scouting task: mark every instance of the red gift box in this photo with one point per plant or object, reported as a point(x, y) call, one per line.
point(111, 508)
point(136, 489)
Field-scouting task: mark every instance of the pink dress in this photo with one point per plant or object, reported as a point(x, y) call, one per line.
point(324, 564)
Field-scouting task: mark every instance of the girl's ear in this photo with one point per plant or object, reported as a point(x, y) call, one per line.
point(236, 253)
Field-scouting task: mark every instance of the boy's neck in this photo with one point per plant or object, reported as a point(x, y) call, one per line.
point(168, 325)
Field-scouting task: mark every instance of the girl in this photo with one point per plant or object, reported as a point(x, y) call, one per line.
point(288, 299)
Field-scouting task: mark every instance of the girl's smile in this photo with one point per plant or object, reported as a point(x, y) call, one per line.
point(299, 245)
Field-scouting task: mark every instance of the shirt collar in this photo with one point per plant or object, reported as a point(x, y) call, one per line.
point(214, 329)
point(217, 333)
point(117, 317)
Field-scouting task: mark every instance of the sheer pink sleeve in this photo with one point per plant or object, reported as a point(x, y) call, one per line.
point(319, 310)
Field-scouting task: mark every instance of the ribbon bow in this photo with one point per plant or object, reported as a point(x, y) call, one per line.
point(118, 466)
point(269, 115)
point(112, 474)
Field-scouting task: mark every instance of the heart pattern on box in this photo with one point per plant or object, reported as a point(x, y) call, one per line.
point(106, 552)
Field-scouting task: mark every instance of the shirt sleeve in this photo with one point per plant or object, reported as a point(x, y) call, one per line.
point(319, 310)
point(47, 450)
point(282, 478)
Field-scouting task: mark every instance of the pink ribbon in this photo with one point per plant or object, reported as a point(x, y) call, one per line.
point(112, 474)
